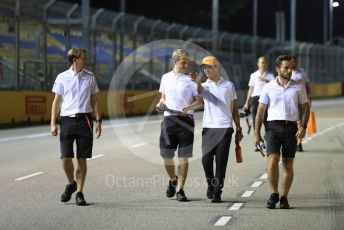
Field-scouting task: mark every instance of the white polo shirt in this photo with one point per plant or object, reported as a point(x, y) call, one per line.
point(258, 84)
point(75, 90)
point(283, 102)
point(179, 90)
point(300, 76)
point(218, 99)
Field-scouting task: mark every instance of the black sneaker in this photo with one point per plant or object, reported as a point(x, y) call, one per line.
point(273, 200)
point(217, 195)
point(171, 188)
point(256, 149)
point(216, 198)
point(210, 192)
point(299, 148)
point(181, 196)
point(80, 200)
point(284, 203)
point(70, 189)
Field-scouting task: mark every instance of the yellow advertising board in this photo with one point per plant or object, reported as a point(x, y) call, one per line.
point(35, 106)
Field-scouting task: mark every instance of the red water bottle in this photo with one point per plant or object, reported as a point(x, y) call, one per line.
point(238, 153)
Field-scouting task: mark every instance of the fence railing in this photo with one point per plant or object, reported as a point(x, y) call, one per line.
point(113, 36)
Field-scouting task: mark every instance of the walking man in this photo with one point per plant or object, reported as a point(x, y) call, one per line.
point(178, 92)
point(282, 96)
point(300, 76)
point(220, 110)
point(257, 81)
point(75, 99)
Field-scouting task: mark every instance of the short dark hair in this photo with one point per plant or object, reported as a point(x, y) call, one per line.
point(294, 57)
point(75, 52)
point(282, 58)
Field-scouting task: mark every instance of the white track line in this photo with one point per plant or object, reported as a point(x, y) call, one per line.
point(38, 135)
point(116, 125)
point(24, 137)
point(29, 176)
point(223, 221)
point(236, 206)
point(247, 194)
point(312, 136)
point(264, 176)
point(95, 157)
point(138, 145)
point(257, 184)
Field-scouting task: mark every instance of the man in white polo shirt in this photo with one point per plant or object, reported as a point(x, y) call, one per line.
point(283, 97)
point(75, 99)
point(179, 93)
point(220, 110)
point(257, 80)
point(300, 76)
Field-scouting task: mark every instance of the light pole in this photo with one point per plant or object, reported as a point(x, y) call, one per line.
point(335, 4)
point(331, 21)
point(328, 20)
point(332, 5)
point(255, 9)
point(293, 25)
point(215, 24)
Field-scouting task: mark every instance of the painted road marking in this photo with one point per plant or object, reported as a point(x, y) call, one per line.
point(257, 184)
point(115, 125)
point(138, 145)
point(236, 206)
point(264, 176)
point(29, 176)
point(247, 194)
point(223, 221)
point(95, 157)
point(125, 123)
point(38, 135)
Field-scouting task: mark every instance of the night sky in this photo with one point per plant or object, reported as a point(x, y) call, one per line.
point(236, 20)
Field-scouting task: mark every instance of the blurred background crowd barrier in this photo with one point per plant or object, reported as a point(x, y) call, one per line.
point(35, 37)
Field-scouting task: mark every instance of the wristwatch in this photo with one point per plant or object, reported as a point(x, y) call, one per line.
point(99, 121)
point(304, 126)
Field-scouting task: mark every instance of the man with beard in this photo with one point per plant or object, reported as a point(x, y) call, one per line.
point(282, 97)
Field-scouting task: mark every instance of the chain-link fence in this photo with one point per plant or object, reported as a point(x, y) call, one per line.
point(47, 29)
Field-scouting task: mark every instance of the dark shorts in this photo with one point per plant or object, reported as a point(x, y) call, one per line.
point(177, 132)
point(280, 138)
point(79, 129)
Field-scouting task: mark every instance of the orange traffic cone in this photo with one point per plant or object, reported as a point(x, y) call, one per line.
point(311, 126)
